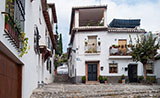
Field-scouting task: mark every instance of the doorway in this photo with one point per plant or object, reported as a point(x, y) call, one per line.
point(132, 72)
point(92, 71)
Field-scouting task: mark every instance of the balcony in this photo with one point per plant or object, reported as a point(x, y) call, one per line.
point(94, 51)
point(12, 33)
point(91, 17)
point(121, 52)
point(14, 21)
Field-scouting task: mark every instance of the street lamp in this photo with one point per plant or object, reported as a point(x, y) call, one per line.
point(70, 46)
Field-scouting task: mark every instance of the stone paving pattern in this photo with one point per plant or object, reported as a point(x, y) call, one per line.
point(97, 91)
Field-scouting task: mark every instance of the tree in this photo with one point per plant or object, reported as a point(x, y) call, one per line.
point(144, 49)
point(59, 50)
point(60, 45)
point(57, 41)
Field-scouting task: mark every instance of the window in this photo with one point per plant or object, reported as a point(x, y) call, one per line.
point(92, 44)
point(149, 68)
point(49, 65)
point(36, 40)
point(113, 68)
point(122, 43)
point(14, 20)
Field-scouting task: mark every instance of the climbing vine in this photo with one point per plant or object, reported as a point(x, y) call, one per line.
point(24, 44)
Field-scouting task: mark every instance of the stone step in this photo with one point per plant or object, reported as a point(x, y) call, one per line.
point(62, 78)
point(71, 94)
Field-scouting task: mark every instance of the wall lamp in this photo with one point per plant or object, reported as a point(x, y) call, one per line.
point(71, 46)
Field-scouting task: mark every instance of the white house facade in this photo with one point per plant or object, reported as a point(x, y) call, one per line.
point(100, 49)
point(19, 76)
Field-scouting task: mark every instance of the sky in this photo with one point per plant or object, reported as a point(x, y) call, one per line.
point(146, 10)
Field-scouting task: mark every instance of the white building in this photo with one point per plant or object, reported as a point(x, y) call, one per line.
point(157, 61)
point(98, 49)
point(19, 76)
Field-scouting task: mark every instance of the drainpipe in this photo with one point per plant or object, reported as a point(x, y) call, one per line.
point(38, 70)
point(42, 82)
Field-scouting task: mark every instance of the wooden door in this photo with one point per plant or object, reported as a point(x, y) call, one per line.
point(92, 72)
point(132, 72)
point(122, 43)
point(10, 78)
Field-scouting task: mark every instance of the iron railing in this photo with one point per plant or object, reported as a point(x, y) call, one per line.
point(116, 51)
point(14, 21)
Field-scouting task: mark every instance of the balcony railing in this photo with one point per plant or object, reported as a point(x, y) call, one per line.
point(12, 33)
point(117, 51)
point(97, 50)
point(14, 21)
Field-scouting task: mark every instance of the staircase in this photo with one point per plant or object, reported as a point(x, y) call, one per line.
point(62, 78)
point(97, 91)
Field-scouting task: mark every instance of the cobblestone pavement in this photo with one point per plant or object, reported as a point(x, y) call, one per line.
point(97, 91)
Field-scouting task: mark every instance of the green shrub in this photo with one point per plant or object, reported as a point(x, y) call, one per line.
point(100, 78)
point(153, 79)
point(122, 77)
point(140, 78)
point(83, 79)
point(105, 79)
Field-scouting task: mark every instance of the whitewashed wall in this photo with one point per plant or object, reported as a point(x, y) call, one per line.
point(107, 40)
point(31, 71)
point(157, 68)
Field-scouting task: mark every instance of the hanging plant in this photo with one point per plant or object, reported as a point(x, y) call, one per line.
point(24, 44)
point(86, 43)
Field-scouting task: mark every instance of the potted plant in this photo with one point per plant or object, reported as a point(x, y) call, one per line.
point(6, 22)
point(94, 51)
point(89, 51)
point(84, 79)
point(114, 46)
point(129, 45)
point(101, 79)
point(86, 43)
point(105, 80)
point(123, 79)
point(140, 79)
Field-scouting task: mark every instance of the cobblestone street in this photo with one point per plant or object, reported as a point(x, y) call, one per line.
point(97, 91)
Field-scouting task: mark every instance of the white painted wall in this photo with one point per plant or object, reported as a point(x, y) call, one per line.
point(157, 68)
point(107, 40)
point(31, 71)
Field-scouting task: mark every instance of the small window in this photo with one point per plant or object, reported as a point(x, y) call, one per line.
point(149, 68)
point(113, 68)
point(50, 67)
point(47, 67)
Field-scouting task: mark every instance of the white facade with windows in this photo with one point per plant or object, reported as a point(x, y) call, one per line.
point(95, 43)
point(35, 68)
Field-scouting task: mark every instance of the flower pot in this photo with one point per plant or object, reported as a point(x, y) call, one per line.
point(105, 82)
point(101, 81)
point(123, 81)
point(83, 81)
point(7, 27)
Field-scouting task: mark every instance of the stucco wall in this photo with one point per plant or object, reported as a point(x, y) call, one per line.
point(156, 69)
point(107, 40)
point(32, 68)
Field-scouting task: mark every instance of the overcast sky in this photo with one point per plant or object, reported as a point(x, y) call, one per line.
point(146, 10)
